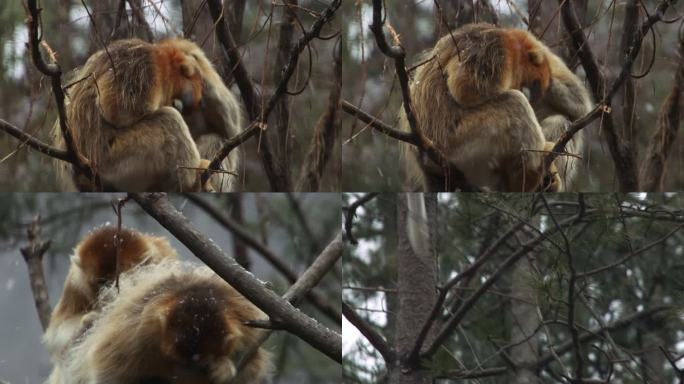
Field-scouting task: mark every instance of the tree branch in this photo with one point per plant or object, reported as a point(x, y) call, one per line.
point(34, 143)
point(33, 254)
point(52, 70)
point(276, 261)
point(303, 286)
point(296, 322)
point(350, 213)
point(456, 178)
point(373, 337)
point(257, 114)
point(624, 159)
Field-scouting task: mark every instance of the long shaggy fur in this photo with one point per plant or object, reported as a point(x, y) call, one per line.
point(171, 322)
point(119, 94)
point(93, 267)
point(466, 101)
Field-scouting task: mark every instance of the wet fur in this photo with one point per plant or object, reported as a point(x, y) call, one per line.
point(168, 322)
point(171, 322)
point(116, 115)
point(466, 100)
point(93, 267)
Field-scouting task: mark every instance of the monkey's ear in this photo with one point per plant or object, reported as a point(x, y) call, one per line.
point(536, 57)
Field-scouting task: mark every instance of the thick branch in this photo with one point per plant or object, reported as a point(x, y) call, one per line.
point(258, 115)
point(33, 254)
point(295, 321)
point(373, 337)
point(310, 278)
point(34, 143)
point(667, 126)
point(53, 71)
point(276, 261)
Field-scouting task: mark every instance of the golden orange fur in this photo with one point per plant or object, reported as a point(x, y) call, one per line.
point(170, 322)
point(120, 112)
point(467, 100)
point(94, 267)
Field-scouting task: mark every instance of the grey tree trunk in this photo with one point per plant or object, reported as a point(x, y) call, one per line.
point(416, 277)
point(524, 321)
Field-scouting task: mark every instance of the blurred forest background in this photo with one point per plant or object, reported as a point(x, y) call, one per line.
point(626, 278)
point(280, 222)
point(371, 160)
point(257, 25)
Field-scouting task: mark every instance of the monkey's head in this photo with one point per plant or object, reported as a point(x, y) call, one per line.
point(196, 328)
point(180, 75)
point(96, 255)
point(529, 62)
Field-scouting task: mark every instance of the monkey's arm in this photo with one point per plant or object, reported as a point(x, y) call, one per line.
point(501, 145)
point(151, 154)
point(218, 119)
point(567, 94)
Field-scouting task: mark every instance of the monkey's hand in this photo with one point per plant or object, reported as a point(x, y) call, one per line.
point(177, 104)
point(208, 186)
point(552, 181)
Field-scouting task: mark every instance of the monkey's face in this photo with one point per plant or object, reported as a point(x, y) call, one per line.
point(537, 75)
point(530, 63)
point(189, 88)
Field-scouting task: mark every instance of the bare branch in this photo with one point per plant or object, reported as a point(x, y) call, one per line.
point(81, 165)
point(624, 159)
point(303, 286)
point(456, 179)
point(34, 143)
point(373, 337)
point(294, 321)
point(33, 254)
point(350, 213)
point(259, 115)
point(276, 261)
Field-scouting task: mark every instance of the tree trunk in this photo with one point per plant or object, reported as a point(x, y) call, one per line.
point(416, 278)
point(524, 323)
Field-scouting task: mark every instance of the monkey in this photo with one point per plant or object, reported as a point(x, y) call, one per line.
point(94, 266)
point(566, 100)
point(170, 322)
point(219, 117)
point(467, 101)
point(165, 322)
point(147, 116)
